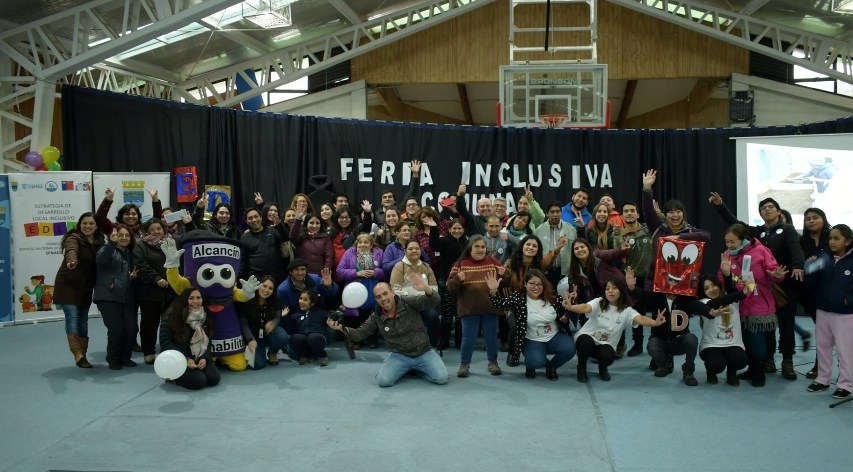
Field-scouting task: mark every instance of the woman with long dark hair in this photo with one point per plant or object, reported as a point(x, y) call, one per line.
point(185, 328)
point(608, 315)
point(450, 247)
point(721, 347)
point(153, 293)
point(815, 239)
point(311, 243)
point(75, 281)
point(128, 215)
point(221, 220)
point(260, 321)
point(541, 323)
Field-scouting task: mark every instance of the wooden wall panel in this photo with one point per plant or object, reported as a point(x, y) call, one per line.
point(677, 115)
point(471, 48)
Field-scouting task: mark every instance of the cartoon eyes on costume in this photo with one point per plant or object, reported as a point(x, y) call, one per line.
point(210, 274)
point(689, 254)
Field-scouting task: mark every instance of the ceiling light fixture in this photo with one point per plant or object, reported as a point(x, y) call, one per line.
point(268, 13)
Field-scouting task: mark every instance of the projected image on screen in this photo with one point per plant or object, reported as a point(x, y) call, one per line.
point(799, 178)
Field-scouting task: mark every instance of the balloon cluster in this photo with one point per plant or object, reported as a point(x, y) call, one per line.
point(47, 159)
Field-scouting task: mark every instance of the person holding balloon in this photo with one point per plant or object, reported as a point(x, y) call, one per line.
point(397, 318)
point(185, 329)
point(361, 264)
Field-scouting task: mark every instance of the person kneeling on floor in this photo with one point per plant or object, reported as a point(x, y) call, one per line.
point(397, 319)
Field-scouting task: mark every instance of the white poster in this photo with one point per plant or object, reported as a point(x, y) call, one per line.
point(45, 206)
point(132, 187)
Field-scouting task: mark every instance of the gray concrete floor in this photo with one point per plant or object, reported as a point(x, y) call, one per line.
point(54, 416)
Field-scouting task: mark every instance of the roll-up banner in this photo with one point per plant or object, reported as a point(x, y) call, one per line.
point(7, 309)
point(133, 187)
point(44, 207)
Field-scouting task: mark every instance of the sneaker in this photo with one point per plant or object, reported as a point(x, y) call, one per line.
point(149, 358)
point(711, 378)
point(494, 368)
point(841, 394)
point(817, 387)
point(304, 360)
point(530, 373)
point(128, 363)
point(114, 365)
point(324, 361)
point(620, 351)
point(463, 370)
point(690, 380)
point(272, 358)
point(635, 350)
point(661, 372)
point(512, 361)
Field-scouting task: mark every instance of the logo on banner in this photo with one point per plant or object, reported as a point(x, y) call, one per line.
point(48, 229)
point(67, 185)
point(213, 249)
point(83, 186)
point(14, 186)
point(134, 191)
point(51, 186)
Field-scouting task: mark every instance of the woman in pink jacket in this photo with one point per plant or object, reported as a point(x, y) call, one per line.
point(753, 266)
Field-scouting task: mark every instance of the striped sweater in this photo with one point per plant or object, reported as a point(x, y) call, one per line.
point(473, 293)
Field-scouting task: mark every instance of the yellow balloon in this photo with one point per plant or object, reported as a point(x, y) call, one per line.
point(50, 154)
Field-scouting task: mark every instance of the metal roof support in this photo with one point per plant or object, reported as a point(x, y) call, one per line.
point(35, 45)
point(823, 55)
point(285, 65)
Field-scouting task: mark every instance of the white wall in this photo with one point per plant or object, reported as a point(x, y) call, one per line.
point(346, 101)
point(783, 104)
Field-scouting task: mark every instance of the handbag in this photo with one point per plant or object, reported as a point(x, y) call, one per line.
point(779, 295)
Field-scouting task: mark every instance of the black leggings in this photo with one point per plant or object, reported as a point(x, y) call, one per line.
point(197, 379)
point(604, 353)
point(718, 359)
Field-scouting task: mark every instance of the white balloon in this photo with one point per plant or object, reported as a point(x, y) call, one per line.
point(562, 286)
point(355, 294)
point(170, 364)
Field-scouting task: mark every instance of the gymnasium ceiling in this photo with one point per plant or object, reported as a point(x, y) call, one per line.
point(223, 38)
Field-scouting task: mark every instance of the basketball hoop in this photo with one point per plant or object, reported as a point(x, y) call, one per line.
point(554, 120)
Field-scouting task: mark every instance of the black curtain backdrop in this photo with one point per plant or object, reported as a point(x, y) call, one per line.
point(276, 154)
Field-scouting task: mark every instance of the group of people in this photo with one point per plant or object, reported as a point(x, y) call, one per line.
point(544, 284)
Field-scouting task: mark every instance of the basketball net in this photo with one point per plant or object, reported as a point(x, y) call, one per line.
point(554, 120)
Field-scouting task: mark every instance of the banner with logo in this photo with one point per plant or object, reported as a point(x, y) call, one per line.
point(45, 206)
point(132, 187)
point(6, 307)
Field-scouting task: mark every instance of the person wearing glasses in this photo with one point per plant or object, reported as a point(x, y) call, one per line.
point(540, 323)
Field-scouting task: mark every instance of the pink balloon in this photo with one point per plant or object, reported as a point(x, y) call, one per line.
point(34, 159)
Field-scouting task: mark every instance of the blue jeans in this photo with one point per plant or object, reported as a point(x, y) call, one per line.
point(471, 324)
point(278, 339)
point(428, 365)
point(562, 346)
point(77, 319)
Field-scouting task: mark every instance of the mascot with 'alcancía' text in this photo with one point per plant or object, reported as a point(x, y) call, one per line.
point(211, 264)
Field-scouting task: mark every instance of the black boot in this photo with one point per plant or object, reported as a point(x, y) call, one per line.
point(582, 377)
point(758, 374)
